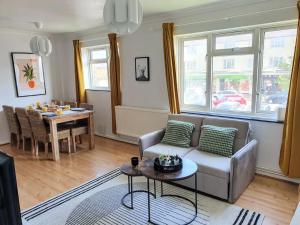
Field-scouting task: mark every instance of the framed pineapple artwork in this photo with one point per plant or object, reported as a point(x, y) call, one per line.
point(29, 74)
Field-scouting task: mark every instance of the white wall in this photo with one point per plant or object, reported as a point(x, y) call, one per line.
point(151, 94)
point(147, 41)
point(13, 41)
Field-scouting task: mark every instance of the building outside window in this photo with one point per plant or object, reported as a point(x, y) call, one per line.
point(228, 63)
point(245, 72)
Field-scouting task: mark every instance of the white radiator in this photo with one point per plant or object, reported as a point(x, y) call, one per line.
point(134, 122)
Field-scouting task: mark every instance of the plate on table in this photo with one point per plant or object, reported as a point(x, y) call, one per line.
point(78, 109)
point(48, 114)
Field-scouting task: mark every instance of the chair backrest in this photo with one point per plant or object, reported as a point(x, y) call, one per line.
point(72, 104)
point(55, 102)
point(23, 118)
point(86, 106)
point(13, 123)
point(38, 126)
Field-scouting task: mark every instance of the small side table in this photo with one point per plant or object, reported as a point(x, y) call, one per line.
point(189, 169)
point(131, 172)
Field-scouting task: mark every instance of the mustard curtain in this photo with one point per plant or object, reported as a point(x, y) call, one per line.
point(170, 67)
point(290, 149)
point(79, 77)
point(115, 83)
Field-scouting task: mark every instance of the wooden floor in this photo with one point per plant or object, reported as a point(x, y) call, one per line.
point(40, 179)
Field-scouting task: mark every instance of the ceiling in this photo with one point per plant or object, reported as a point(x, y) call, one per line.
point(73, 15)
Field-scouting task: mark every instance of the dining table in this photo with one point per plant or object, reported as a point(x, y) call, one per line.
point(69, 116)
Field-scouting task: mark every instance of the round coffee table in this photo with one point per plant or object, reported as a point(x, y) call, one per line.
point(189, 169)
point(131, 172)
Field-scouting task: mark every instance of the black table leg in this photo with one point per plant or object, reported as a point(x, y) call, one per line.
point(195, 204)
point(196, 194)
point(131, 192)
point(148, 189)
point(128, 184)
point(154, 189)
point(131, 189)
point(161, 189)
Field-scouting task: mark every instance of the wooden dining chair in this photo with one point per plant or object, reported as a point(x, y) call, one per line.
point(42, 134)
point(71, 104)
point(13, 124)
point(26, 129)
point(55, 102)
point(81, 127)
point(86, 106)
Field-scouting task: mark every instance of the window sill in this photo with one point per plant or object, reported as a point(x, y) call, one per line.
point(91, 89)
point(232, 116)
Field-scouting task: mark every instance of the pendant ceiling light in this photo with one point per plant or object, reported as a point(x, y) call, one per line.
point(123, 16)
point(40, 45)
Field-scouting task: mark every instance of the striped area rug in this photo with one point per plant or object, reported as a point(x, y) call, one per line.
point(98, 202)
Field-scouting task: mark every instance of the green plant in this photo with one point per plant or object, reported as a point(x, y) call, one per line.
point(28, 72)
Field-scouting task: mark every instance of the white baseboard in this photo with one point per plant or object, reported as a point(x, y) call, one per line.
point(122, 138)
point(275, 174)
point(4, 143)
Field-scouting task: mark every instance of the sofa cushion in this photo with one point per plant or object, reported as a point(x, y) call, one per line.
point(211, 164)
point(178, 133)
point(156, 150)
point(194, 119)
point(243, 129)
point(217, 140)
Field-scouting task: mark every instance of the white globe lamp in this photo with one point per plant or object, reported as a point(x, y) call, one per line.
point(41, 46)
point(123, 16)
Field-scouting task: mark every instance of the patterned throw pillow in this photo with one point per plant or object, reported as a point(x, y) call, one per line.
point(217, 140)
point(178, 133)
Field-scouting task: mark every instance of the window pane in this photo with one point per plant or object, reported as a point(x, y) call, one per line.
point(234, 41)
point(232, 83)
point(98, 54)
point(99, 75)
point(194, 76)
point(277, 64)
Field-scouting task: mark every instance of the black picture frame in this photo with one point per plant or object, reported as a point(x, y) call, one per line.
point(18, 91)
point(142, 68)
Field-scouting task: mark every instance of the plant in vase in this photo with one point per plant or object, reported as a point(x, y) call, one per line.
point(162, 159)
point(167, 160)
point(29, 76)
point(176, 160)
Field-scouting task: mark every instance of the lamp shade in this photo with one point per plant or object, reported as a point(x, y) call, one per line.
point(41, 46)
point(123, 16)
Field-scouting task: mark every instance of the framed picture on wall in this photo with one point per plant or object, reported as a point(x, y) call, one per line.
point(29, 74)
point(142, 69)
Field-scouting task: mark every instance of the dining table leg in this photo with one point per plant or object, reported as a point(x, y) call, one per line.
point(91, 131)
point(54, 140)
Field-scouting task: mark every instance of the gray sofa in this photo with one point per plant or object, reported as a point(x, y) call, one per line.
point(219, 176)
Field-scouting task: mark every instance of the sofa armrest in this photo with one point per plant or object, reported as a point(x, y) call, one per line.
point(243, 165)
point(150, 139)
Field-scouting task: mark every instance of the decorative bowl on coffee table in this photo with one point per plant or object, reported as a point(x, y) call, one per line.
point(168, 164)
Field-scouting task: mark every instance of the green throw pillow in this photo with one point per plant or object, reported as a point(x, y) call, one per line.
point(178, 133)
point(217, 140)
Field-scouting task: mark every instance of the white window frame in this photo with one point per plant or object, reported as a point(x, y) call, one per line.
point(261, 51)
point(180, 67)
point(256, 50)
point(96, 61)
